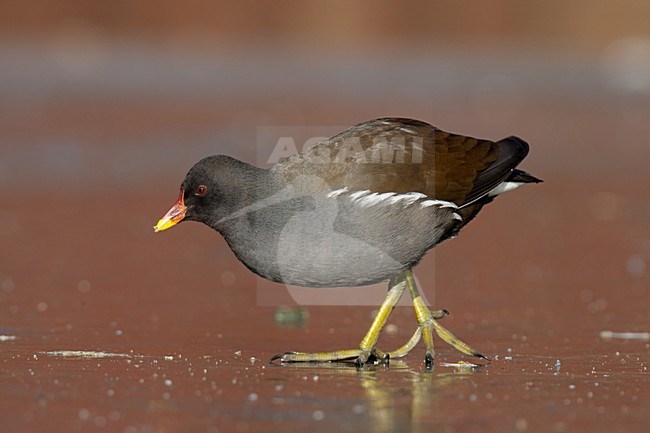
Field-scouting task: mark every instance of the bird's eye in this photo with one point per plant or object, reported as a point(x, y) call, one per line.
point(201, 190)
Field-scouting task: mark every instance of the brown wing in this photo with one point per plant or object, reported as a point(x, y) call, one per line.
point(401, 155)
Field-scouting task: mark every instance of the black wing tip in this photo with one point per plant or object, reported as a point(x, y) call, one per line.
point(516, 145)
point(519, 150)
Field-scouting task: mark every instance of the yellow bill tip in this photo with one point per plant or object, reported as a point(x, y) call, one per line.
point(164, 224)
point(173, 216)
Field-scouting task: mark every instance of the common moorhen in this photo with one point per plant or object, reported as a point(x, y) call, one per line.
point(358, 208)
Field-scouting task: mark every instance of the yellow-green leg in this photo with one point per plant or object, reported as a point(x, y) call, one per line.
point(367, 346)
point(428, 323)
point(413, 341)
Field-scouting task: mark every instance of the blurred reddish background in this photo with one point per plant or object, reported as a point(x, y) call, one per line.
point(573, 24)
point(89, 91)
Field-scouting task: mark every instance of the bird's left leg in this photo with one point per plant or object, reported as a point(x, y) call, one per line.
point(413, 341)
point(428, 323)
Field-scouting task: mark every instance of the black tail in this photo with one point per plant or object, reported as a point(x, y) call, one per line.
point(512, 151)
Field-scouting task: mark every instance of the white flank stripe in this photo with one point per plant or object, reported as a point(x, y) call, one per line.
point(366, 198)
point(411, 197)
point(359, 194)
point(337, 192)
point(457, 217)
point(448, 204)
point(386, 195)
point(394, 199)
point(443, 204)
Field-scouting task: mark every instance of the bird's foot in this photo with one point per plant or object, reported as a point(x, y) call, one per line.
point(428, 323)
point(359, 356)
point(433, 326)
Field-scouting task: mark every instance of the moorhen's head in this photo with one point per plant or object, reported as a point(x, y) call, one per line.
point(205, 193)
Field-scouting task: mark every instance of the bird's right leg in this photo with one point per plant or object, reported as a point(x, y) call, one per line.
point(367, 347)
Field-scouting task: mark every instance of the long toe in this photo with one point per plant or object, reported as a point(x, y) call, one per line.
point(280, 356)
point(337, 355)
point(455, 342)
